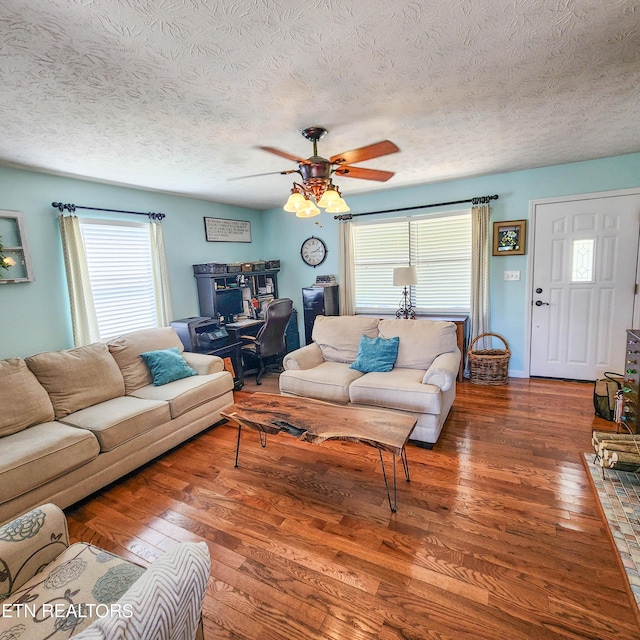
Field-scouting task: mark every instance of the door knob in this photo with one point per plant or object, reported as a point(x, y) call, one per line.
point(539, 303)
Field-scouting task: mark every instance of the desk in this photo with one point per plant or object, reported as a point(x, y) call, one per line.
point(244, 328)
point(230, 350)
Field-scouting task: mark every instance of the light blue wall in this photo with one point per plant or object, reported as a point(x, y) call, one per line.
point(284, 233)
point(35, 316)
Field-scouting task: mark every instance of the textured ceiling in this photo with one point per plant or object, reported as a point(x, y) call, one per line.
point(176, 95)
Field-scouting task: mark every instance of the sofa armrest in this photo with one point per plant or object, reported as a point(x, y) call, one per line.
point(443, 370)
point(203, 363)
point(303, 358)
point(165, 603)
point(29, 542)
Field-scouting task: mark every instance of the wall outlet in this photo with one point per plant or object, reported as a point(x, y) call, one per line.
point(512, 275)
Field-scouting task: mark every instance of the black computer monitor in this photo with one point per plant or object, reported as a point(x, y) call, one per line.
point(229, 303)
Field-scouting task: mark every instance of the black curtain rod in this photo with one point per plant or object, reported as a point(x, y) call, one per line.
point(72, 207)
point(474, 201)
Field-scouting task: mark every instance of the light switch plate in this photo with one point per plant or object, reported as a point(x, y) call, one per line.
point(512, 275)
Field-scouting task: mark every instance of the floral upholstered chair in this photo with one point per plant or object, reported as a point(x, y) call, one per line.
point(49, 589)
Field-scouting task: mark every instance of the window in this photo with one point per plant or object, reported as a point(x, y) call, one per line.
point(582, 260)
point(438, 245)
point(120, 269)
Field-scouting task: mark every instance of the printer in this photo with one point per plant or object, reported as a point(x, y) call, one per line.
point(200, 333)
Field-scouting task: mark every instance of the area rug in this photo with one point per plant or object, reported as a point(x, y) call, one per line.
point(619, 495)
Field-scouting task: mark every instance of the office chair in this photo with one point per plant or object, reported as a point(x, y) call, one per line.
point(270, 341)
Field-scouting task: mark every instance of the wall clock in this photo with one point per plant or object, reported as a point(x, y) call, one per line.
point(313, 251)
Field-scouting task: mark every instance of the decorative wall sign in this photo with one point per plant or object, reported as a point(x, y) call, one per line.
point(224, 230)
point(510, 238)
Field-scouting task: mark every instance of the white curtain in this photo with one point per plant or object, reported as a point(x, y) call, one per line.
point(83, 312)
point(164, 310)
point(480, 252)
point(346, 269)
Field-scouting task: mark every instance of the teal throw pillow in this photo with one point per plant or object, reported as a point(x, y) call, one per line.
point(167, 365)
point(376, 354)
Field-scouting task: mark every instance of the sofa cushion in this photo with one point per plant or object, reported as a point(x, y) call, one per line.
point(376, 354)
point(82, 582)
point(23, 399)
point(167, 365)
point(421, 341)
point(398, 389)
point(126, 350)
point(77, 378)
point(339, 336)
point(328, 381)
point(43, 452)
point(120, 419)
point(188, 393)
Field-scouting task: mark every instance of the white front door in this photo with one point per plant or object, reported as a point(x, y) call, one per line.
point(583, 285)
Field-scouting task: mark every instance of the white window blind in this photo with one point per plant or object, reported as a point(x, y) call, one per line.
point(438, 245)
point(120, 271)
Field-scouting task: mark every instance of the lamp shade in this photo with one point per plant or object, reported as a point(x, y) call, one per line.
point(308, 210)
point(296, 201)
point(405, 276)
point(329, 197)
point(338, 206)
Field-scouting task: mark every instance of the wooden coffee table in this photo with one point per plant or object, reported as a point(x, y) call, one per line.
point(316, 421)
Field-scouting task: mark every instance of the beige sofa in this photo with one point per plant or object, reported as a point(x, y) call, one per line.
point(73, 421)
point(421, 383)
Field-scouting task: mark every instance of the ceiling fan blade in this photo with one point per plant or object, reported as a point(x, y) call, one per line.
point(283, 154)
point(364, 174)
point(270, 173)
point(369, 152)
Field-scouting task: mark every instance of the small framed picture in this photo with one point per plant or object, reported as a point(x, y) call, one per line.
point(510, 238)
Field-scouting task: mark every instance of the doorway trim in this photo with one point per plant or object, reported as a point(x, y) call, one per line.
point(530, 253)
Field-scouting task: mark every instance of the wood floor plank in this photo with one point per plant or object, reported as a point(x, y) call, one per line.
point(497, 535)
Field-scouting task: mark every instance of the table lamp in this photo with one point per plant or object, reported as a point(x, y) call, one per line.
point(405, 277)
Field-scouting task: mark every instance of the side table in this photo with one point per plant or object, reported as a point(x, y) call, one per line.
point(231, 350)
point(462, 334)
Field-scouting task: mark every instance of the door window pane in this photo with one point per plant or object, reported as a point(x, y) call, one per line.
point(582, 260)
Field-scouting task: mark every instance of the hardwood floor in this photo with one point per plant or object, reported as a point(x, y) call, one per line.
point(497, 536)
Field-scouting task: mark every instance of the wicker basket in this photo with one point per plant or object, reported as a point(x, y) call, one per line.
point(489, 366)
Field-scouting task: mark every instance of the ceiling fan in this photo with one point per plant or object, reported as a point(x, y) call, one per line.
point(317, 188)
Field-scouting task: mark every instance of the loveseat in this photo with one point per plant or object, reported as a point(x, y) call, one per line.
point(421, 382)
point(50, 589)
point(74, 421)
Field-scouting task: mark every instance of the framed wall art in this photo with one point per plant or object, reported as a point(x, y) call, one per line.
point(15, 260)
point(509, 238)
point(224, 230)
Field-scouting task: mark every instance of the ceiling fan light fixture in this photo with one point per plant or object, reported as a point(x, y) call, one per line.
point(316, 186)
point(329, 197)
point(308, 210)
point(338, 206)
point(295, 202)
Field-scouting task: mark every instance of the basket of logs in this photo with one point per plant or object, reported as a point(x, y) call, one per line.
point(489, 366)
